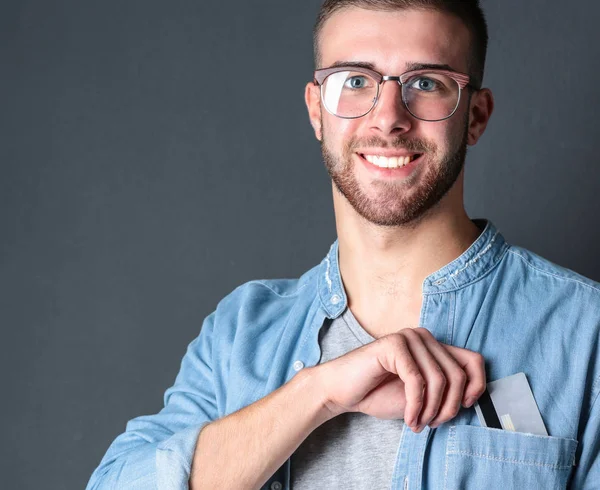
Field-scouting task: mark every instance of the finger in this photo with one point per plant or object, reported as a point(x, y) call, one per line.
point(456, 379)
point(397, 359)
point(473, 364)
point(435, 381)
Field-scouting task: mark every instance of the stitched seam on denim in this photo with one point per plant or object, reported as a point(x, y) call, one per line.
point(450, 439)
point(419, 475)
point(509, 434)
point(398, 451)
point(419, 461)
point(505, 247)
point(327, 278)
point(516, 461)
point(451, 317)
point(469, 263)
point(475, 244)
point(339, 279)
point(553, 274)
point(424, 316)
point(293, 293)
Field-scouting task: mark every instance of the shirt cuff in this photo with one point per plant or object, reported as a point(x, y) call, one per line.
point(174, 459)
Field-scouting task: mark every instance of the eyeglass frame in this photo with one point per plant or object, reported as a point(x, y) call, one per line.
point(462, 79)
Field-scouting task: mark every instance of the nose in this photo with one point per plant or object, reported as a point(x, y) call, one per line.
point(389, 116)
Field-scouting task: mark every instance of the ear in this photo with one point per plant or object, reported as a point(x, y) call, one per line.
point(312, 97)
point(480, 111)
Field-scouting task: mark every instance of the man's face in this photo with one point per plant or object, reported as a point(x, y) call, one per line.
point(390, 41)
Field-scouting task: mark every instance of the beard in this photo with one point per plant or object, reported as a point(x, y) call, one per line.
point(402, 203)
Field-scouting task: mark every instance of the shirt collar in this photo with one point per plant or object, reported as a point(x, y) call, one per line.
point(483, 255)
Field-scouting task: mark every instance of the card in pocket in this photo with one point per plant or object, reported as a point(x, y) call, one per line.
point(508, 404)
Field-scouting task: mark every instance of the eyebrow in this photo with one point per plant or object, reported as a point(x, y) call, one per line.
point(410, 66)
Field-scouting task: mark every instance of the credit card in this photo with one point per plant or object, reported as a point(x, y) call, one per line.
point(508, 404)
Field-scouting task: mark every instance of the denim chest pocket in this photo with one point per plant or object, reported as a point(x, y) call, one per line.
point(483, 458)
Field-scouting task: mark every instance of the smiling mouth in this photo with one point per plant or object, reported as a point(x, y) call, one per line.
point(390, 162)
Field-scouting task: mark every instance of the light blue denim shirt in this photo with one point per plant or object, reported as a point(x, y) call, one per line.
point(520, 311)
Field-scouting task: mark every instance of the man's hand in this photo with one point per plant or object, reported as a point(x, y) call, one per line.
point(407, 374)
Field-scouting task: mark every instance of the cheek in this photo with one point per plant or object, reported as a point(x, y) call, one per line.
point(336, 131)
point(342, 130)
point(449, 134)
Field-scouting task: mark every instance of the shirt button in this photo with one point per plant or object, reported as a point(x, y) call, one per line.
point(298, 365)
point(276, 485)
point(335, 299)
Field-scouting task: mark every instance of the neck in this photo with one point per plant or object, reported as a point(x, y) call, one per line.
point(383, 268)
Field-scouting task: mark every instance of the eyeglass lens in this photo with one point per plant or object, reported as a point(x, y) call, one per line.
point(428, 96)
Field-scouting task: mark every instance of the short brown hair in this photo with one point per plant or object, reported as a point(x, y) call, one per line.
point(469, 11)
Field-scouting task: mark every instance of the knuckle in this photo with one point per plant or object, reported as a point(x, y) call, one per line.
point(459, 376)
point(478, 360)
point(438, 379)
point(423, 332)
point(406, 333)
point(393, 340)
point(479, 388)
point(412, 371)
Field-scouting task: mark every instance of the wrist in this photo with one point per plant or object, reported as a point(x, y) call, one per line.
point(313, 391)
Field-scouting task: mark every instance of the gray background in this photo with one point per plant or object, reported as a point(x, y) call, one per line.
point(148, 168)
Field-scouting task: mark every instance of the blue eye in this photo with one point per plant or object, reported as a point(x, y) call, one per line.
point(356, 82)
point(424, 84)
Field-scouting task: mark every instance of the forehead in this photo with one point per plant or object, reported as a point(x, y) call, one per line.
point(392, 40)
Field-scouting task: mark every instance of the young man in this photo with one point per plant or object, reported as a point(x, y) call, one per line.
point(363, 372)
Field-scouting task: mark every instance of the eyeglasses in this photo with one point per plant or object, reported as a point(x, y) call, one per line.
point(351, 92)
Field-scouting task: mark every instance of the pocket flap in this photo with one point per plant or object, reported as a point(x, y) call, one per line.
point(511, 447)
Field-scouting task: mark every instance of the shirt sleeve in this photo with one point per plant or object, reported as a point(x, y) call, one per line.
point(587, 471)
point(156, 451)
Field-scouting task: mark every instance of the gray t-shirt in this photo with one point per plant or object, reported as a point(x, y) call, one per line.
point(353, 451)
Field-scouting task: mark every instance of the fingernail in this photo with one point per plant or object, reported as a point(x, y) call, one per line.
point(434, 425)
point(470, 402)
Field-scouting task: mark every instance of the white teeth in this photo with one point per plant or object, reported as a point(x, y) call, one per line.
point(393, 162)
point(380, 161)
